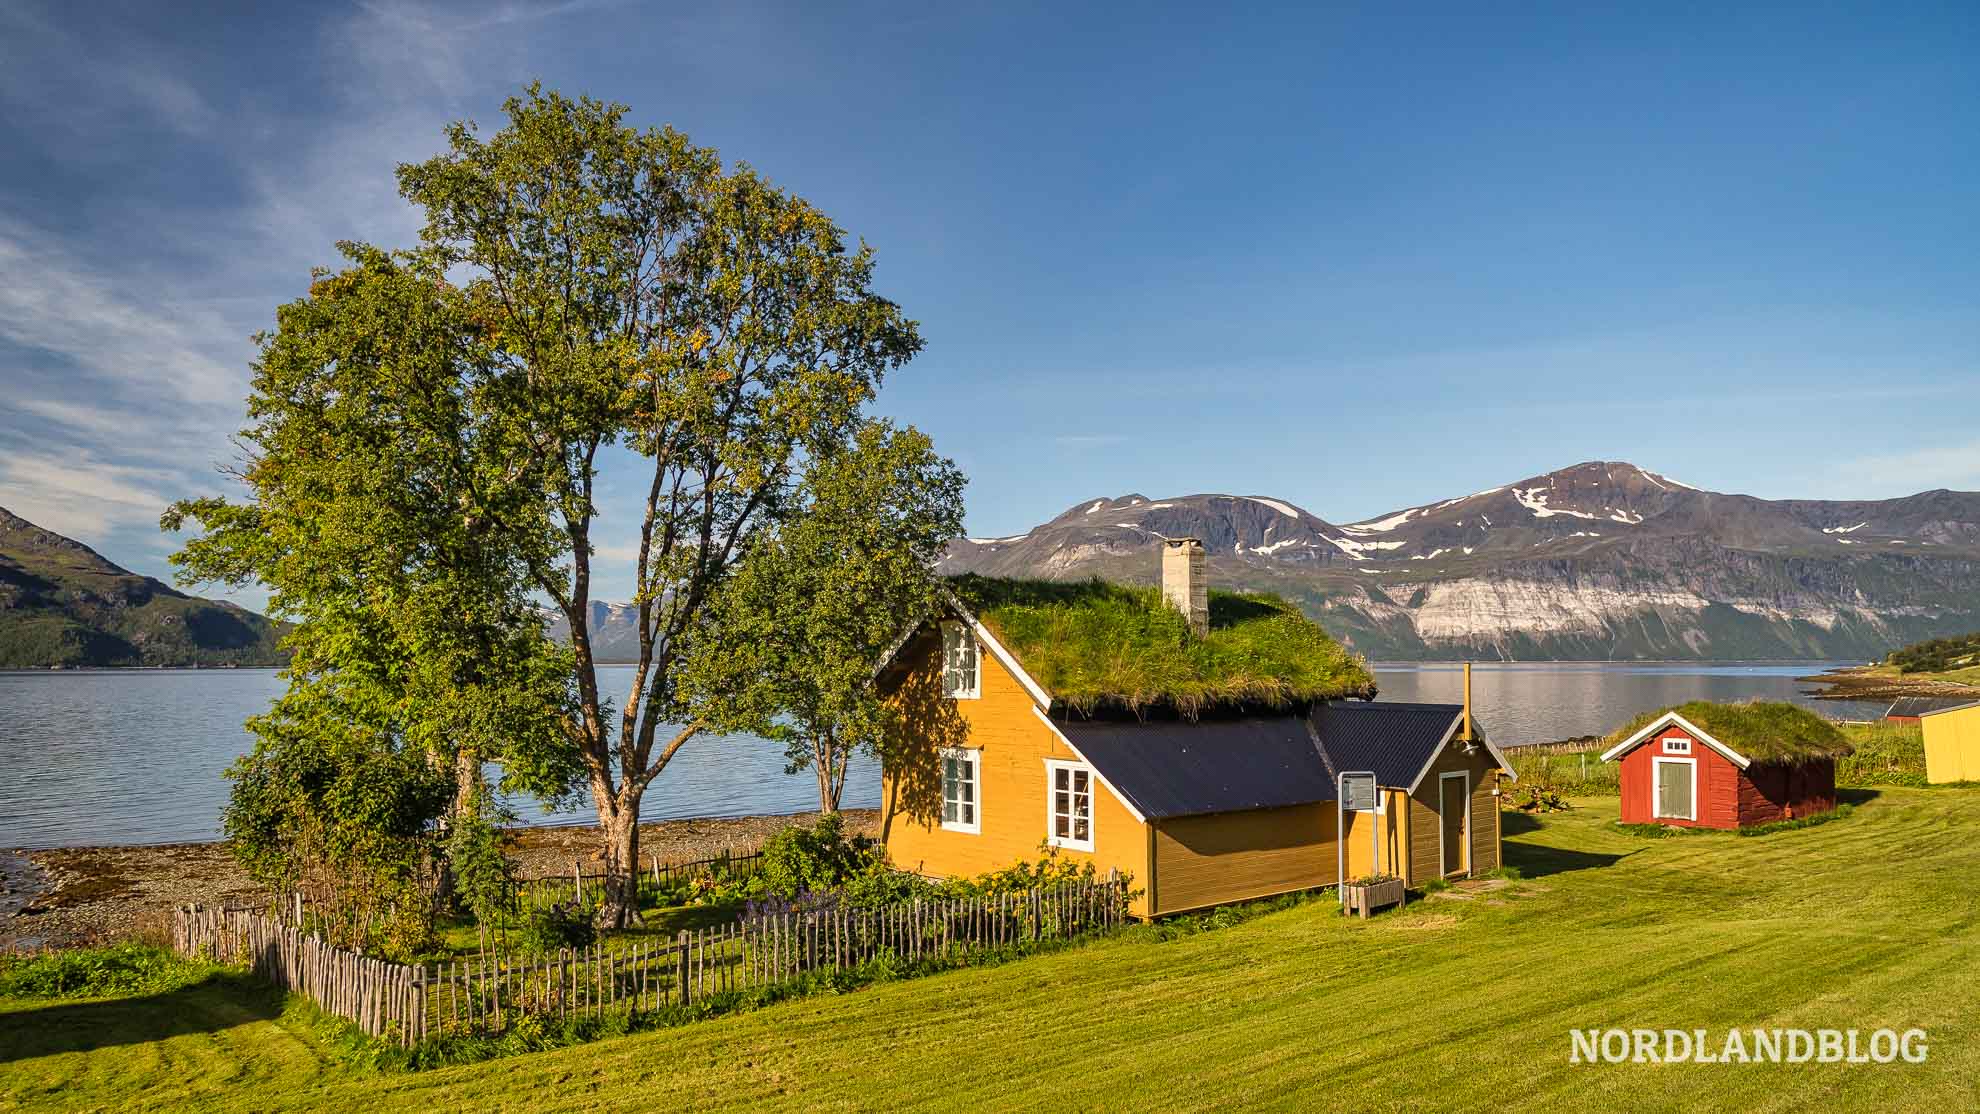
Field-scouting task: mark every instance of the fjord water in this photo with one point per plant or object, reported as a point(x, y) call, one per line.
point(137, 756)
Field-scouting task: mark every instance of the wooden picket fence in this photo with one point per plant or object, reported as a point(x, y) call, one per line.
point(380, 997)
point(487, 991)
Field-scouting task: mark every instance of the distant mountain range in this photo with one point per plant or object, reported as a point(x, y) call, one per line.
point(1599, 561)
point(63, 604)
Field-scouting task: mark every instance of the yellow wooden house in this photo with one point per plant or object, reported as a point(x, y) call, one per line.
point(1189, 739)
point(1952, 743)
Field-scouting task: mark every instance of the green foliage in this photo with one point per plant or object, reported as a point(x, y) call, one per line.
point(1097, 645)
point(484, 881)
point(1937, 655)
point(1764, 731)
point(120, 970)
point(66, 605)
point(430, 427)
point(1885, 754)
point(346, 812)
point(808, 859)
point(822, 595)
point(1434, 886)
point(559, 925)
point(1556, 775)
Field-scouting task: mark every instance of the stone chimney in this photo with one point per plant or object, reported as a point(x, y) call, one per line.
point(1184, 586)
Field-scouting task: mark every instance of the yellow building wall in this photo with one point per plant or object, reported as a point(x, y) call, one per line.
point(1391, 841)
point(1426, 837)
point(1952, 745)
point(1011, 789)
point(1237, 856)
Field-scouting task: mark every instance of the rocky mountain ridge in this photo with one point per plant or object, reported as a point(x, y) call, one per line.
point(1601, 560)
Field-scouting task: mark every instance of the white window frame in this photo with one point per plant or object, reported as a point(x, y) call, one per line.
point(965, 636)
point(1657, 787)
point(1464, 843)
point(973, 756)
point(1052, 768)
point(1677, 746)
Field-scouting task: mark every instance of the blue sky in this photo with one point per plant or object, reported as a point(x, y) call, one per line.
point(1353, 256)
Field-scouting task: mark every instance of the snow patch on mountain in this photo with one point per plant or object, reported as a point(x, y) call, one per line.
point(1286, 509)
point(1535, 499)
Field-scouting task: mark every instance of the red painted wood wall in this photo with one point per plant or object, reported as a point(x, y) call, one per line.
point(1717, 788)
point(1727, 796)
point(1770, 793)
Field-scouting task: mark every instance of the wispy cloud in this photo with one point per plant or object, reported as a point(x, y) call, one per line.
point(82, 495)
point(118, 328)
point(1955, 466)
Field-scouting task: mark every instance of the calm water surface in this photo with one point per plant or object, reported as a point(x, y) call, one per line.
point(137, 756)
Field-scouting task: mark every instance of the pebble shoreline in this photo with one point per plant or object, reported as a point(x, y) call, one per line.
point(75, 896)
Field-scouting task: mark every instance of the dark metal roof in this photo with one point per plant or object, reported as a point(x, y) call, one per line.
point(1923, 705)
point(1394, 740)
point(1182, 768)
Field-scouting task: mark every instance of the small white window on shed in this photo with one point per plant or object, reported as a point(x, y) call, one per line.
point(1677, 746)
point(962, 668)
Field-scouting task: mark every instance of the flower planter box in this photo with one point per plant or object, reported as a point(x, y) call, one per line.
point(1367, 897)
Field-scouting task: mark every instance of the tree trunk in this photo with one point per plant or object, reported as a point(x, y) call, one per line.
point(618, 824)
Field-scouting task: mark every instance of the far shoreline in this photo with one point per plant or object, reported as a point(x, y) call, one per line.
point(73, 896)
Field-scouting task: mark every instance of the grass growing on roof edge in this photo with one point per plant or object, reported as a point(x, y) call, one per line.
point(1096, 645)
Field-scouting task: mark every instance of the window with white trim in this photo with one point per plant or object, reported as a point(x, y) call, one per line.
point(961, 774)
point(1069, 803)
point(1677, 746)
point(962, 668)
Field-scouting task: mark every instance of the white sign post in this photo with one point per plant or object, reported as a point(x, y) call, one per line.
point(1356, 792)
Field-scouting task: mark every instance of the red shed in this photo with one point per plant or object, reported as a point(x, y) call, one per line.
point(1703, 765)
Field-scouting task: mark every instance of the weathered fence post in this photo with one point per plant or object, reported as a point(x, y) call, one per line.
point(681, 961)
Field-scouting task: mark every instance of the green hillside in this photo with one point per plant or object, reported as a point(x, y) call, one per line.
point(63, 604)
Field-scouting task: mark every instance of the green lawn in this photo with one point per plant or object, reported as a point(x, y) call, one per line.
point(1460, 1002)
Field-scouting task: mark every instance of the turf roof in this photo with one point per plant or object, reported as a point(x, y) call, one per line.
point(1097, 646)
point(1766, 732)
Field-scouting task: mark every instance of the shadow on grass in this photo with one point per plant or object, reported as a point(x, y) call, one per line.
point(215, 1003)
point(1537, 860)
point(1856, 796)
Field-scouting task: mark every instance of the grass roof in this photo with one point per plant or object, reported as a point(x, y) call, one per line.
point(1767, 732)
point(1095, 645)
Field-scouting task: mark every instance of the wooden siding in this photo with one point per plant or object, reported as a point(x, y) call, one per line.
point(1012, 788)
point(1237, 856)
point(1717, 789)
point(1952, 745)
point(1770, 793)
point(1426, 836)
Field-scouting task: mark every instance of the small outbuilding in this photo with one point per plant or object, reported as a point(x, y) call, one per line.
point(1952, 743)
point(1705, 765)
point(1910, 709)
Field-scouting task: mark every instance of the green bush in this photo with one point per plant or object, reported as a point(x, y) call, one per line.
point(118, 970)
point(1886, 754)
point(800, 860)
point(562, 925)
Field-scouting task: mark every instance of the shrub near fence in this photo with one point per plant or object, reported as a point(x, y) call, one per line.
point(488, 991)
point(581, 889)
